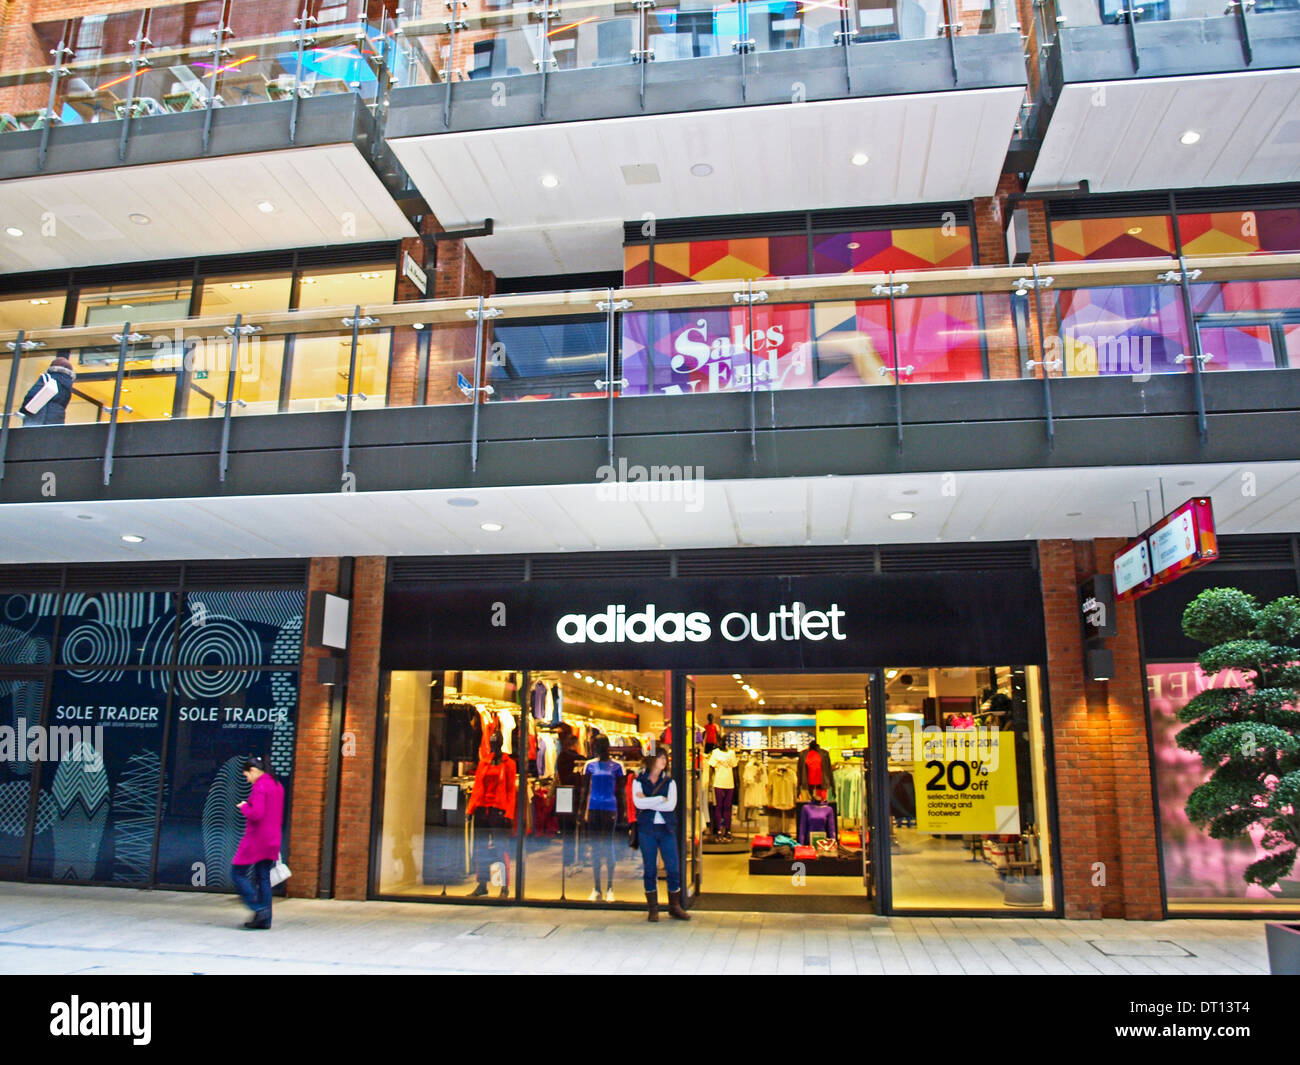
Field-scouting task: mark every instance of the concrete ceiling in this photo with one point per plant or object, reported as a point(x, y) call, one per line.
point(954, 508)
point(1123, 136)
point(921, 149)
point(321, 196)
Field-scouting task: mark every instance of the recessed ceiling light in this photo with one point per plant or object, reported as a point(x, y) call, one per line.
point(371, 275)
point(890, 674)
point(462, 501)
point(265, 206)
point(590, 679)
point(491, 526)
point(1189, 136)
point(132, 538)
point(85, 517)
point(1133, 231)
point(309, 281)
point(701, 170)
point(241, 284)
point(140, 219)
point(735, 676)
point(417, 325)
point(860, 159)
point(1074, 513)
point(902, 515)
point(853, 245)
point(762, 702)
point(910, 492)
point(13, 231)
point(1185, 484)
point(549, 181)
point(40, 303)
point(713, 705)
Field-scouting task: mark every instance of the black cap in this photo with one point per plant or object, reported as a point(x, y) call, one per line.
point(255, 762)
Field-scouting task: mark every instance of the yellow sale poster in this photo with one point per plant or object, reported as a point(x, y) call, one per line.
point(966, 782)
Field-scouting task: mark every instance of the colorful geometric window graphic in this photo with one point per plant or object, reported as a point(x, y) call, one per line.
point(892, 249)
point(754, 258)
point(1145, 236)
point(1240, 232)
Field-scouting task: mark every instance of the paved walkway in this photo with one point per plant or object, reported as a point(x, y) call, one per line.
point(82, 930)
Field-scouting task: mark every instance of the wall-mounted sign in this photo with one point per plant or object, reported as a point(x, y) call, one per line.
point(970, 618)
point(1097, 606)
point(327, 621)
point(1182, 541)
point(411, 269)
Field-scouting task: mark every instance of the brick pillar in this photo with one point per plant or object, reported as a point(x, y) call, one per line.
point(1131, 758)
point(311, 755)
point(990, 239)
point(1079, 786)
point(1103, 768)
point(360, 730)
point(403, 383)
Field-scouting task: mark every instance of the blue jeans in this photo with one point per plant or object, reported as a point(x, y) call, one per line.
point(663, 839)
point(253, 882)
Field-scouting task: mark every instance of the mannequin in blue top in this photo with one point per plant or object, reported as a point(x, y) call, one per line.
point(604, 803)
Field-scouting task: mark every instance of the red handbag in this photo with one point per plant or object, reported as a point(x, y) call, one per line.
point(804, 853)
point(760, 843)
point(850, 839)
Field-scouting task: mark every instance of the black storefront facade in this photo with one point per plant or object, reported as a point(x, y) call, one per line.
point(679, 618)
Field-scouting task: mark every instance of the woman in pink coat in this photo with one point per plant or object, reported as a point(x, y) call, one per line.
point(259, 850)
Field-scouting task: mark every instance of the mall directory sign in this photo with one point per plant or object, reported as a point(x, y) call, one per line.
point(1178, 543)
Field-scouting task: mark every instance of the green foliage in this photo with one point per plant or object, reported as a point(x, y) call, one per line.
point(1248, 736)
point(1220, 614)
point(1279, 621)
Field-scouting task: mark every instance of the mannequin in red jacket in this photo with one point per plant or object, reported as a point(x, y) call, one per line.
point(492, 805)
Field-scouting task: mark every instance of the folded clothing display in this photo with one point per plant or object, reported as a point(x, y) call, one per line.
point(758, 843)
point(803, 853)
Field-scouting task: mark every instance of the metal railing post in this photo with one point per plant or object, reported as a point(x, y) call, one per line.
point(219, 52)
point(356, 322)
point(124, 340)
point(1038, 283)
point(479, 315)
point(898, 377)
point(138, 60)
point(950, 30)
point(235, 332)
point(56, 72)
point(611, 307)
point(1198, 357)
point(449, 71)
point(303, 22)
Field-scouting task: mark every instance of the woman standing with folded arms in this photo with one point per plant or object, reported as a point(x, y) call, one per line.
point(654, 794)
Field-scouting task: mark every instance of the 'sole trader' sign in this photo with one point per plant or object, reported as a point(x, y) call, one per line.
point(965, 782)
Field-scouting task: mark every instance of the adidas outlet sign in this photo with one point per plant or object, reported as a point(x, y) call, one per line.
point(615, 624)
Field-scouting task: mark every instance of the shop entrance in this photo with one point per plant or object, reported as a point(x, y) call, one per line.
point(906, 789)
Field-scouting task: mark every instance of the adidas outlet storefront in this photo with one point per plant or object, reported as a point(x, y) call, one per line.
point(850, 730)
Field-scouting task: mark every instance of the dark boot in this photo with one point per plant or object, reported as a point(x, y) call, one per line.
point(652, 901)
point(675, 906)
point(479, 890)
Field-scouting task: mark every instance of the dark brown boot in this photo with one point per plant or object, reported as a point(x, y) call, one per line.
point(652, 901)
point(675, 906)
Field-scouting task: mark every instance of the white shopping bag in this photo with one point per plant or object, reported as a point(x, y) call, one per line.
point(48, 390)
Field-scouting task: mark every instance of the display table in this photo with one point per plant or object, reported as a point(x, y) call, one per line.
point(811, 867)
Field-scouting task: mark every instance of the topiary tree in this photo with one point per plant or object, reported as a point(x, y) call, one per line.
point(1248, 736)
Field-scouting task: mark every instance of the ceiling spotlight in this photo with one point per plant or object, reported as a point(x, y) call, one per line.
point(132, 538)
point(1189, 137)
point(853, 245)
point(491, 526)
point(600, 684)
point(1074, 513)
point(40, 303)
point(462, 501)
point(902, 515)
point(577, 674)
point(762, 702)
point(589, 679)
point(1185, 484)
point(265, 206)
point(701, 170)
point(860, 159)
point(890, 674)
point(309, 281)
point(735, 676)
point(417, 325)
point(13, 231)
point(549, 181)
point(1133, 231)
point(371, 275)
point(753, 694)
point(713, 705)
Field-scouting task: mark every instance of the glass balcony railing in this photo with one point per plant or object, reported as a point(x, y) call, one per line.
point(1072, 13)
point(1129, 318)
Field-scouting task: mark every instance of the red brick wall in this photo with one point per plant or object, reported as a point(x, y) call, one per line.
point(1103, 778)
point(311, 756)
point(360, 729)
point(990, 240)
